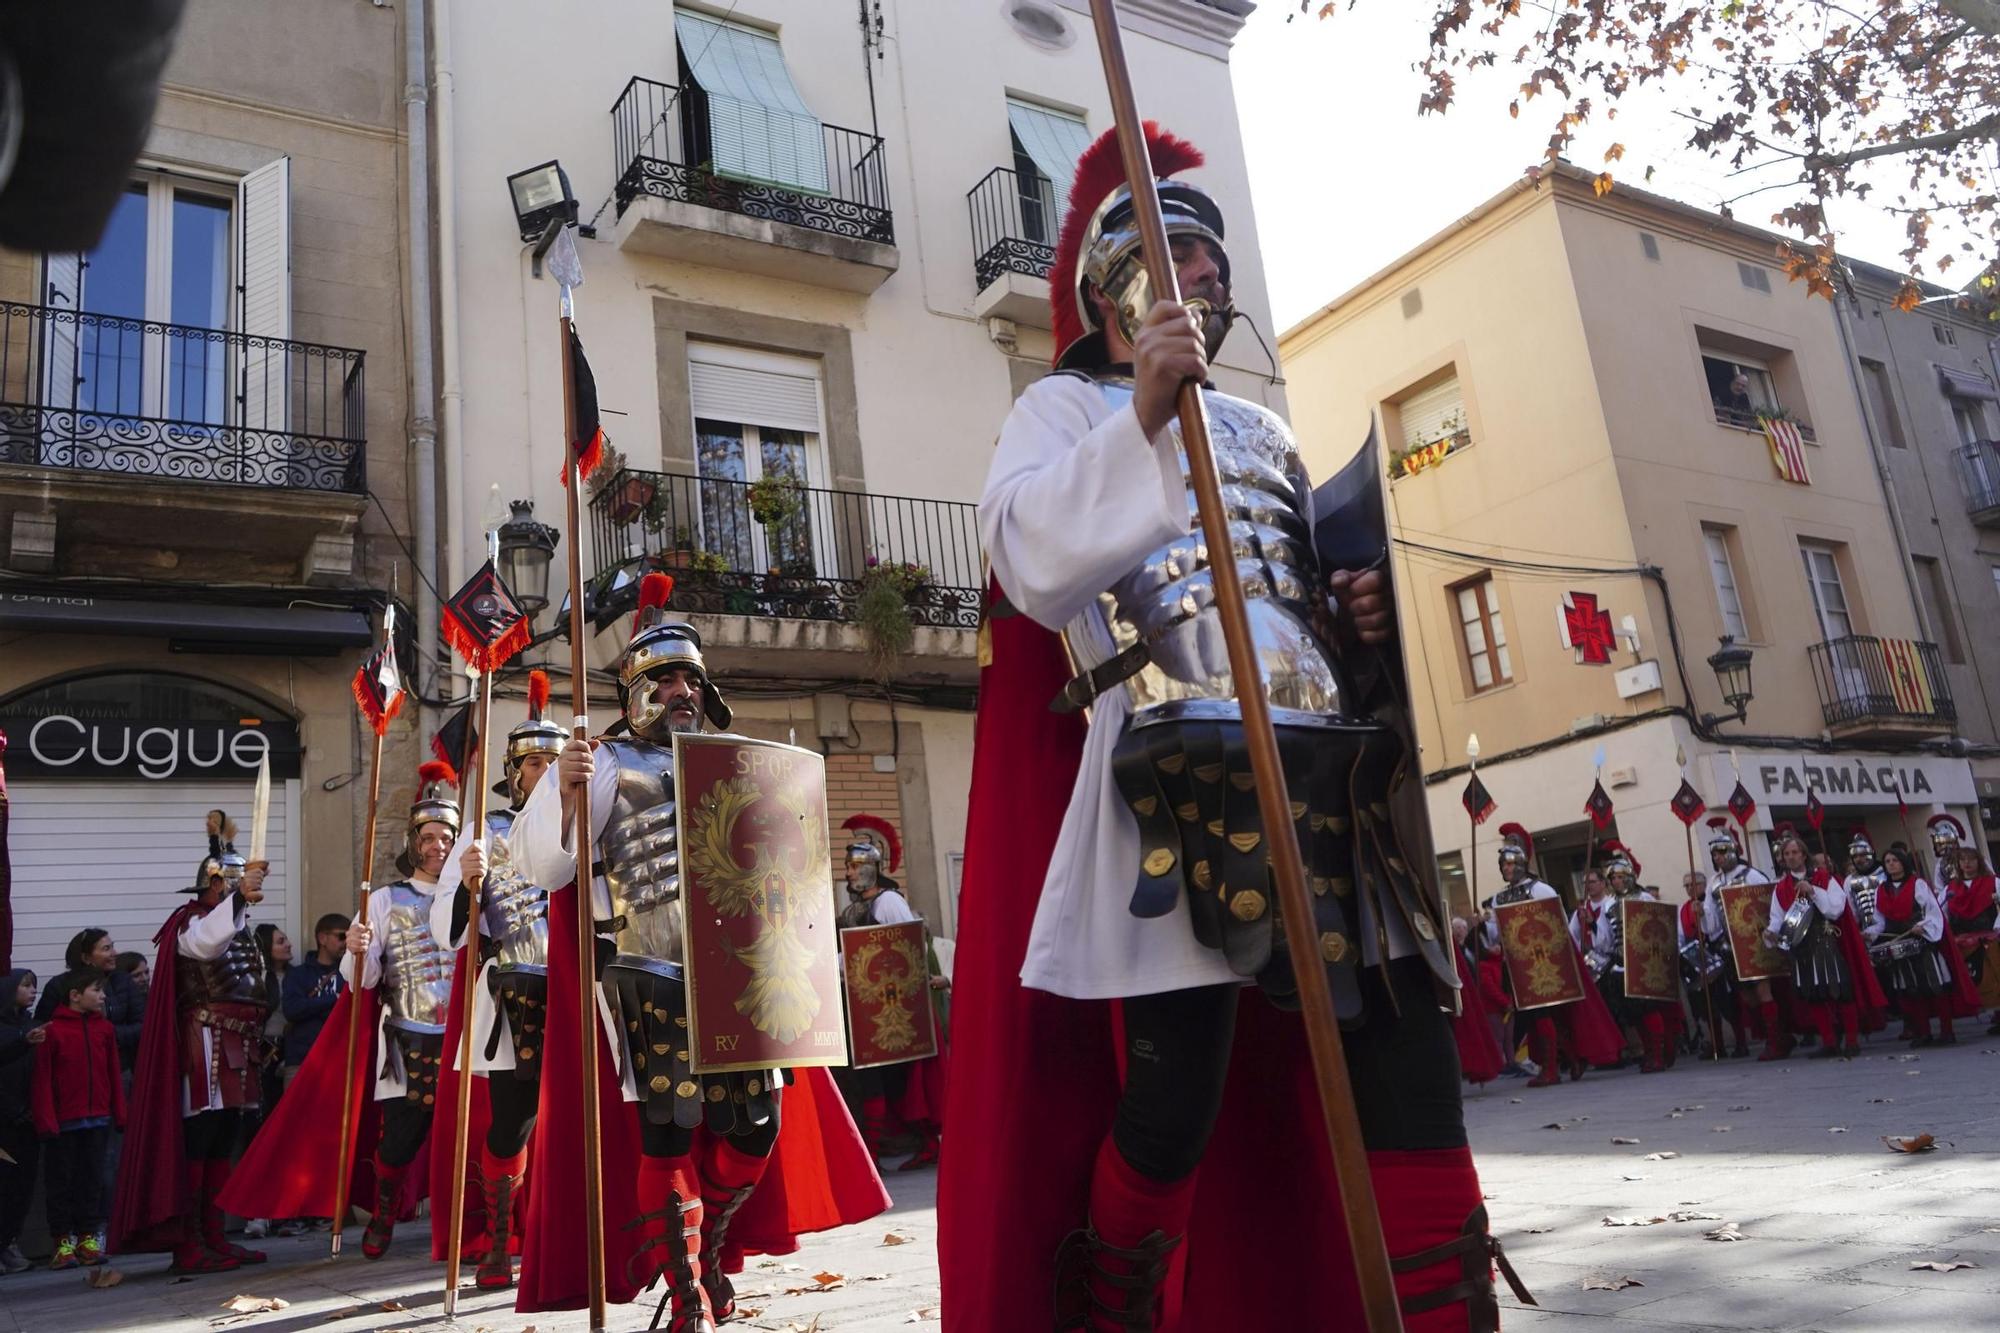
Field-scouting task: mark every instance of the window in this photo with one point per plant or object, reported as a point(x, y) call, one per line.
point(1431, 423)
point(749, 121)
point(1651, 245)
point(1969, 419)
point(1481, 633)
point(1753, 277)
point(1937, 607)
point(1829, 596)
point(1882, 403)
point(757, 416)
point(1739, 387)
point(1943, 334)
point(1046, 146)
point(1723, 570)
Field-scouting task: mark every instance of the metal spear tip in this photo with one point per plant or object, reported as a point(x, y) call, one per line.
point(1472, 746)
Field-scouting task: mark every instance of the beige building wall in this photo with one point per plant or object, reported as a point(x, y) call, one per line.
point(928, 380)
point(1595, 452)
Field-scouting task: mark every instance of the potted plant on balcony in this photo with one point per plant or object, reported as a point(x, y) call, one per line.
point(776, 500)
point(625, 493)
point(883, 610)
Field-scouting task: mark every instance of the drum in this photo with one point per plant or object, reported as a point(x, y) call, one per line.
point(1893, 951)
point(1798, 920)
point(1700, 966)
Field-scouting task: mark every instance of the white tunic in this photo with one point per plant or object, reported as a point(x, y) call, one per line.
point(389, 1073)
point(486, 1015)
point(205, 939)
point(1078, 496)
point(1930, 917)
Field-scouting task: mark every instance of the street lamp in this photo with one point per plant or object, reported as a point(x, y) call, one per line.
point(526, 548)
point(543, 204)
point(1731, 665)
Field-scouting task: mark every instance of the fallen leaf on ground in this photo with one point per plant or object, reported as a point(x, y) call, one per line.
point(1745, 1107)
point(102, 1277)
point(1676, 1115)
point(873, 1277)
point(254, 1304)
point(1513, 1101)
point(1690, 1108)
point(1942, 1265)
point(1911, 1073)
point(1610, 1283)
point(748, 1311)
point(1880, 1101)
point(1836, 1129)
point(923, 1316)
point(1617, 1141)
point(893, 1239)
point(1553, 1124)
point(813, 1327)
point(392, 1306)
point(1686, 1216)
point(1907, 1058)
point(1659, 1157)
point(1543, 1231)
point(1578, 1119)
point(1727, 1231)
point(1718, 1129)
point(1912, 1143)
point(1634, 1221)
point(1634, 1177)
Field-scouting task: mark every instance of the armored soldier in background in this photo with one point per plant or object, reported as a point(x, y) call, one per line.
point(1913, 957)
point(1551, 1041)
point(201, 1058)
point(1733, 996)
point(1608, 945)
point(398, 951)
point(1817, 922)
point(510, 1002)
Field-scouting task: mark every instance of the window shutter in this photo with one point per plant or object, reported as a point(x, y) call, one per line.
point(1053, 142)
point(759, 127)
point(754, 390)
point(1428, 415)
point(62, 292)
point(264, 299)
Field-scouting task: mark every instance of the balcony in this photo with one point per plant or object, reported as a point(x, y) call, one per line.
point(1979, 478)
point(1014, 222)
point(823, 220)
point(1738, 418)
point(1882, 689)
point(799, 585)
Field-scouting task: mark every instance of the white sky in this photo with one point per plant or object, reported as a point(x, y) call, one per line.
point(1346, 176)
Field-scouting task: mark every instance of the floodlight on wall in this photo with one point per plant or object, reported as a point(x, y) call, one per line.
point(543, 203)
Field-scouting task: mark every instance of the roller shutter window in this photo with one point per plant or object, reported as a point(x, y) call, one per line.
point(760, 129)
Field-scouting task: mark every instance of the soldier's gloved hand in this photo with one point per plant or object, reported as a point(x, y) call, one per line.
point(1363, 601)
point(1169, 349)
point(472, 861)
point(358, 936)
point(574, 766)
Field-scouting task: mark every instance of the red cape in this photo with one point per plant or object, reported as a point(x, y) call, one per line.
point(1479, 1056)
point(1964, 994)
point(1035, 1080)
point(1593, 1032)
point(151, 1197)
point(289, 1168)
point(820, 1174)
point(472, 1241)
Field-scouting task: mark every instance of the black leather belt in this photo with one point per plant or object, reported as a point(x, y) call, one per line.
point(1083, 690)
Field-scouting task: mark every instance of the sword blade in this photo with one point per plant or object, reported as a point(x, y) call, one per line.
point(260, 811)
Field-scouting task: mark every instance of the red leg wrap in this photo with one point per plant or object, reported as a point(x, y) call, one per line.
point(1126, 1209)
point(1435, 1227)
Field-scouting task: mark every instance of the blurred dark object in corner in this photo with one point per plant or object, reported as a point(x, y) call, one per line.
point(78, 83)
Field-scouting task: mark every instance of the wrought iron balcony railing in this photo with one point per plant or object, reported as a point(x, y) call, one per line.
point(825, 178)
point(1747, 419)
point(1979, 477)
point(1864, 679)
point(814, 563)
point(111, 394)
point(1015, 217)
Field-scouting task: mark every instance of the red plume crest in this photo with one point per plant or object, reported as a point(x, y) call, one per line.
point(436, 770)
point(654, 591)
point(1099, 172)
point(885, 830)
point(538, 693)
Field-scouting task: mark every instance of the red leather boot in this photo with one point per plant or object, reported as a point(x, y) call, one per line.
point(381, 1228)
point(190, 1255)
point(1542, 1047)
point(670, 1210)
point(1434, 1223)
point(214, 1176)
point(500, 1178)
point(728, 1177)
point(1110, 1275)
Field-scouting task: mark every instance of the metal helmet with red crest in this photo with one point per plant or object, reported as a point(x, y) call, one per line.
point(1723, 844)
point(874, 841)
point(1861, 848)
point(436, 803)
point(1619, 864)
point(1099, 247)
point(661, 645)
point(223, 859)
point(1517, 848)
point(1947, 836)
point(537, 735)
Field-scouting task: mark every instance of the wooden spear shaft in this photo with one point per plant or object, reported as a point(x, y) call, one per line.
point(1336, 1093)
point(476, 823)
point(344, 1158)
point(586, 939)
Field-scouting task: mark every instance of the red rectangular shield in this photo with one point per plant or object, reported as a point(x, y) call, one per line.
point(1541, 961)
point(763, 957)
point(888, 975)
point(1652, 950)
point(1746, 915)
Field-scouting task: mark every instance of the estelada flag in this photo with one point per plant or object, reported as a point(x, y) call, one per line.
point(1599, 806)
point(1687, 804)
point(1477, 800)
point(378, 685)
point(586, 433)
point(483, 622)
point(1742, 804)
point(1815, 809)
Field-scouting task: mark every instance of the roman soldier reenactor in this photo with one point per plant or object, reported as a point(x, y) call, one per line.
point(511, 995)
point(1583, 921)
point(1621, 872)
point(1733, 996)
point(1831, 978)
point(678, 1190)
point(1134, 843)
point(1555, 1037)
point(1969, 915)
point(201, 1059)
point(1906, 939)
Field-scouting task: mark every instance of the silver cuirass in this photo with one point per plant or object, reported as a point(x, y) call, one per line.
point(1861, 892)
point(639, 854)
point(514, 914)
point(237, 977)
point(1167, 601)
point(416, 969)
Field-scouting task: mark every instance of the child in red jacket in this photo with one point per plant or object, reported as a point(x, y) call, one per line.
point(76, 1097)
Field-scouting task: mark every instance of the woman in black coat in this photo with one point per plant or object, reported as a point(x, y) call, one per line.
point(19, 1035)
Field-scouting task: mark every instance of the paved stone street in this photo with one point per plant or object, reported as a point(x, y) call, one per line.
point(1831, 1221)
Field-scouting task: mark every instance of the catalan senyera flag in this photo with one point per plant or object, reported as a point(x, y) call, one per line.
point(1788, 450)
point(1909, 681)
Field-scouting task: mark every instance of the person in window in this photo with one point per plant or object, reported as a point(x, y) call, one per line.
point(1082, 888)
point(200, 1068)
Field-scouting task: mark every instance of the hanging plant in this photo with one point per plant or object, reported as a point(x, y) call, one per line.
point(882, 610)
point(776, 500)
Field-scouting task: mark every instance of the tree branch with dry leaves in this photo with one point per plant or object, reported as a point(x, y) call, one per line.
point(1830, 96)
